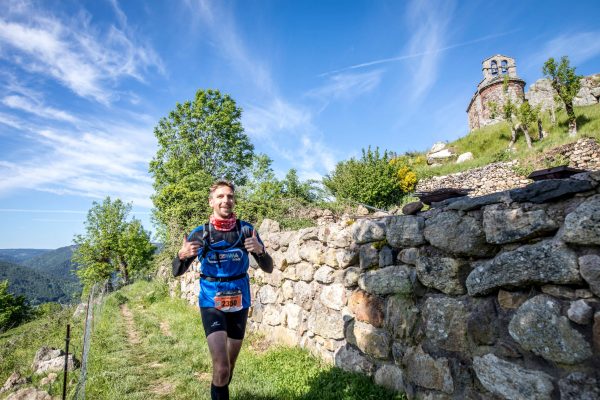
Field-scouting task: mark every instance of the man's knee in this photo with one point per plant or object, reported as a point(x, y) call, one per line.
point(221, 373)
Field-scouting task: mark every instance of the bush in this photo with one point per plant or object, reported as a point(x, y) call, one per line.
point(14, 310)
point(375, 179)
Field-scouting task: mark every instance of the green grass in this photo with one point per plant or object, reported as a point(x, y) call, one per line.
point(173, 362)
point(19, 345)
point(489, 144)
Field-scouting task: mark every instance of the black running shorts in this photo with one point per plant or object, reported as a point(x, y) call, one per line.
point(234, 323)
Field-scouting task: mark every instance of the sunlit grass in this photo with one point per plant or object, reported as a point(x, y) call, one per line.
point(489, 144)
point(170, 360)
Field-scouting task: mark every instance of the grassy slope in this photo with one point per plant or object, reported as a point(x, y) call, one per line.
point(19, 345)
point(170, 359)
point(489, 144)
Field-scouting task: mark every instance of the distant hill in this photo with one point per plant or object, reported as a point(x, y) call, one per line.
point(37, 287)
point(40, 275)
point(19, 256)
point(54, 262)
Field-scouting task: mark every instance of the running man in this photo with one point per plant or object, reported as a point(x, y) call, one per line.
point(223, 246)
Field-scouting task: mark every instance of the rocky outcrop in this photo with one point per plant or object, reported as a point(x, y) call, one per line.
point(51, 359)
point(492, 297)
point(495, 177)
point(541, 93)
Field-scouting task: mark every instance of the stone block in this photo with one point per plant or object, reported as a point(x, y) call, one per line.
point(539, 327)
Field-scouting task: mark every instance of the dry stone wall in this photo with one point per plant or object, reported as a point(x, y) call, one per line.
point(490, 297)
point(582, 154)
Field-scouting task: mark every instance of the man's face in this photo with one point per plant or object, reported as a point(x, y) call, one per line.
point(222, 202)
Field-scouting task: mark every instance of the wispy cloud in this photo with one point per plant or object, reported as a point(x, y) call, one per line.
point(71, 51)
point(285, 128)
point(429, 23)
point(31, 106)
point(221, 27)
point(92, 164)
point(579, 46)
point(268, 120)
point(347, 85)
point(418, 54)
point(70, 153)
point(11, 121)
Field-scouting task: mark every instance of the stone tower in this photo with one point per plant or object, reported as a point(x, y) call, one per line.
point(486, 104)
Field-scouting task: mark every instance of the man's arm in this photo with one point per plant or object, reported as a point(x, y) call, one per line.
point(256, 247)
point(264, 260)
point(181, 266)
point(185, 255)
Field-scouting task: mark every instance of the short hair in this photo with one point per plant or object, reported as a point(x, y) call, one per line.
point(219, 183)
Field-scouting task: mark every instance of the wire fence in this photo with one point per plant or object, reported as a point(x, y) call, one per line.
point(95, 304)
point(94, 310)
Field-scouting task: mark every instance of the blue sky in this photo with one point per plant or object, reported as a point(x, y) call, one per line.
point(83, 83)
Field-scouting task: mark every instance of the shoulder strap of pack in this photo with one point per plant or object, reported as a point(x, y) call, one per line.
point(246, 230)
point(206, 239)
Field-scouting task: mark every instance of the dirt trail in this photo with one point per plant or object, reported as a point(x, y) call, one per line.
point(162, 389)
point(165, 328)
point(132, 333)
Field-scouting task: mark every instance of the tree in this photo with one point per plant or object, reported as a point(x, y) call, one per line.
point(111, 244)
point(13, 310)
point(567, 84)
point(295, 188)
point(373, 179)
point(198, 142)
point(260, 196)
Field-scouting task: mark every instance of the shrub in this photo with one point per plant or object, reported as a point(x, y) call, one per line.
point(14, 310)
point(375, 179)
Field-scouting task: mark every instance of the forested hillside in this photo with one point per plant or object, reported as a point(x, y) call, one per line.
point(55, 262)
point(37, 287)
point(40, 275)
point(19, 256)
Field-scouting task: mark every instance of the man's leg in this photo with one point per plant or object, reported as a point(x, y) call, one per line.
point(236, 330)
point(217, 345)
point(233, 348)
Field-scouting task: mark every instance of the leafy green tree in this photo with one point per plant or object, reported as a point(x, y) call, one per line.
point(262, 184)
point(527, 116)
point(13, 309)
point(306, 191)
point(372, 180)
point(260, 197)
point(566, 83)
point(198, 142)
point(111, 244)
point(520, 118)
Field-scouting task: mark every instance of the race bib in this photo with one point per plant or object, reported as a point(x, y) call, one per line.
point(228, 301)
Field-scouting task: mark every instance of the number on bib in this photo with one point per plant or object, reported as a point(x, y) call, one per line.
point(228, 301)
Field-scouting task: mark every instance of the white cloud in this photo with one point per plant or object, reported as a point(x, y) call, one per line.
point(111, 160)
point(282, 126)
point(347, 85)
point(264, 121)
point(33, 107)
point(11, 121)
point(579, 46)
point(429, 24)
point(221, 27)
point(71, 51)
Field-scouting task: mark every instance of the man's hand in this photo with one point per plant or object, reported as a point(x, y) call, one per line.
point(188, 249)
point(253, 245)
